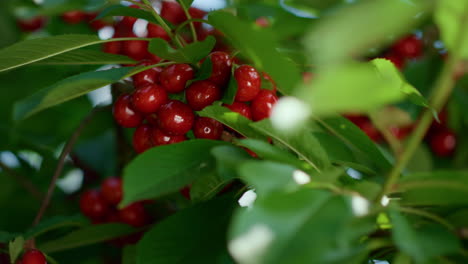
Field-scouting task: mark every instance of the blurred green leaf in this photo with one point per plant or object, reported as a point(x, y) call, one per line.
point(228, 159)
point(186, 3)
point(194, 235)
point(120, 10)
point(129, 255)
point(451, 17)
point(206, 186)
point(192, 53)
point(86, 57)
point(266, 176)
point(303, 143)
point(260, 46)
point(165, 169)
point(55, 223)
point(68, 89)
point(15, 248)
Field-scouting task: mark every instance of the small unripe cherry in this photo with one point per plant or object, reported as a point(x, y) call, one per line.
point(124, 113)
point(201, 94)
point(248, 83)
point(207, 128)
point(111, 189)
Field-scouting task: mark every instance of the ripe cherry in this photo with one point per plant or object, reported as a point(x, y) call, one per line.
point(161, 138)
point(207, 128)
point(111, 189)
point(221, 69)
point(134, 215)
point(34, 256)
point(263, 104)
point(175, 77)
point(142, 138)
point(175, 118)
point(262, 22)
point(186, 192)
point(96, 24)
point(73, 17)
point(149, 98)
point(443, 143)
point(248, 83)
point(144, 78)
point(409, 47)
point(124, 113)
point(135, 49)
point(201, 94)
point(241, 108)
point(396, 59)
point(93, 205)
point(173, 12)
point(32, 24)
point(156, 31)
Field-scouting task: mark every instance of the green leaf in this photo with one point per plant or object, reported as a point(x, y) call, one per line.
point(186, 3)
point(231, 91)
point(303, 143)
point(15, 248)
point(435, 188)
point(450, 16)
point(191, 53)
point(86, 57)
point(231, 119)
point(67, 89)
point(353, 137)
point(424, 243)
point(228, 159)
point(325, 41)
point(206, 186)
point(194, 235)
point(129, 255)
point(204, 73)
point(87, 236)
point(6, 237)
point(55, 223)
point(260, 46)
point(165, 169)
point(120, 10)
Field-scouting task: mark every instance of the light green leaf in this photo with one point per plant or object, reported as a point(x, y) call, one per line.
point(86, 57)
point(451, 17)
point(191, 53)
point(15, 248)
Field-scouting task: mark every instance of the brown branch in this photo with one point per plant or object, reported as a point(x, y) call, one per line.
point(23, 181)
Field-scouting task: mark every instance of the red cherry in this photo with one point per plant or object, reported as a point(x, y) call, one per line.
point(111, 189)
point(186, 192)
point(124, 113)
point(409, 47)
point(248, 83)
point(161, 138)
point(175, 77)
point(114, 47)
point(263, 104)
point(173, 12)
point(135, 49)
point(134, 215)
point(262, 22)
point(142, 138)
point(221, 70)
point(32, 24)
point(175, 118)
point(156, 31)
point(93, 205)
point(201, 94)
point(34, 256)
point(148, 99)
point(96, 24)
point(147, 77)
point(207, 128)
point(73, 17)
point(443, 143)
point(400, 132)
point(307, 77)
point(356, 118)
point(241, 108)
point(396, 59)
point(197, 13)
point(370, 130)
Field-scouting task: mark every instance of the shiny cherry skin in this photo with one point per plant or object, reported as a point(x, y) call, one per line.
point(142, 138)
point(144, 78)
point(34, 256)
point(161, 138)
point(135, 49)
point(240, 108)
point(409, 47)
point(207, 128)
point(201, 94)
point(396, 59)
point(443, 143)
point(221, 69)
point(248, 83)
point(73, 17)
point(93, 205)
point(175, 118)
point(134, 215)
point(263, 104)
point(156, 31)
point(124, 113)
point(173, 12)
point(111, 189)
point(175, 77)
point(32, 24)
point(148, 99)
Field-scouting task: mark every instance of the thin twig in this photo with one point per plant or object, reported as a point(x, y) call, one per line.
point(189, 17)
point(23, 181)
point(58, 171)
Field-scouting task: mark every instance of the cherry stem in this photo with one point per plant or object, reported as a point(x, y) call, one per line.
point(23, 181)
point(441, 93)
point(183, 24)
point(58, 171)
point(189, 18)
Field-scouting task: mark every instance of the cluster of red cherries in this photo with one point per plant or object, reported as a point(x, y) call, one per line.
point(32, 256)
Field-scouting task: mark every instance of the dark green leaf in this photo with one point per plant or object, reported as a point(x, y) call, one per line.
point(260, 46)
point(68, 89)
point(55, 223)
point(204, 72)
point(120, 10)
point(86, 57)
point(6, 237)
point(194, 235)
point(129, 255)
point(230, 93)
point(303, 143)
point(15, 248)
point(228, 159)
point(87, 236)
point(206, 186)
point(165, 169)
point(191, 53)
point(231, 119)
